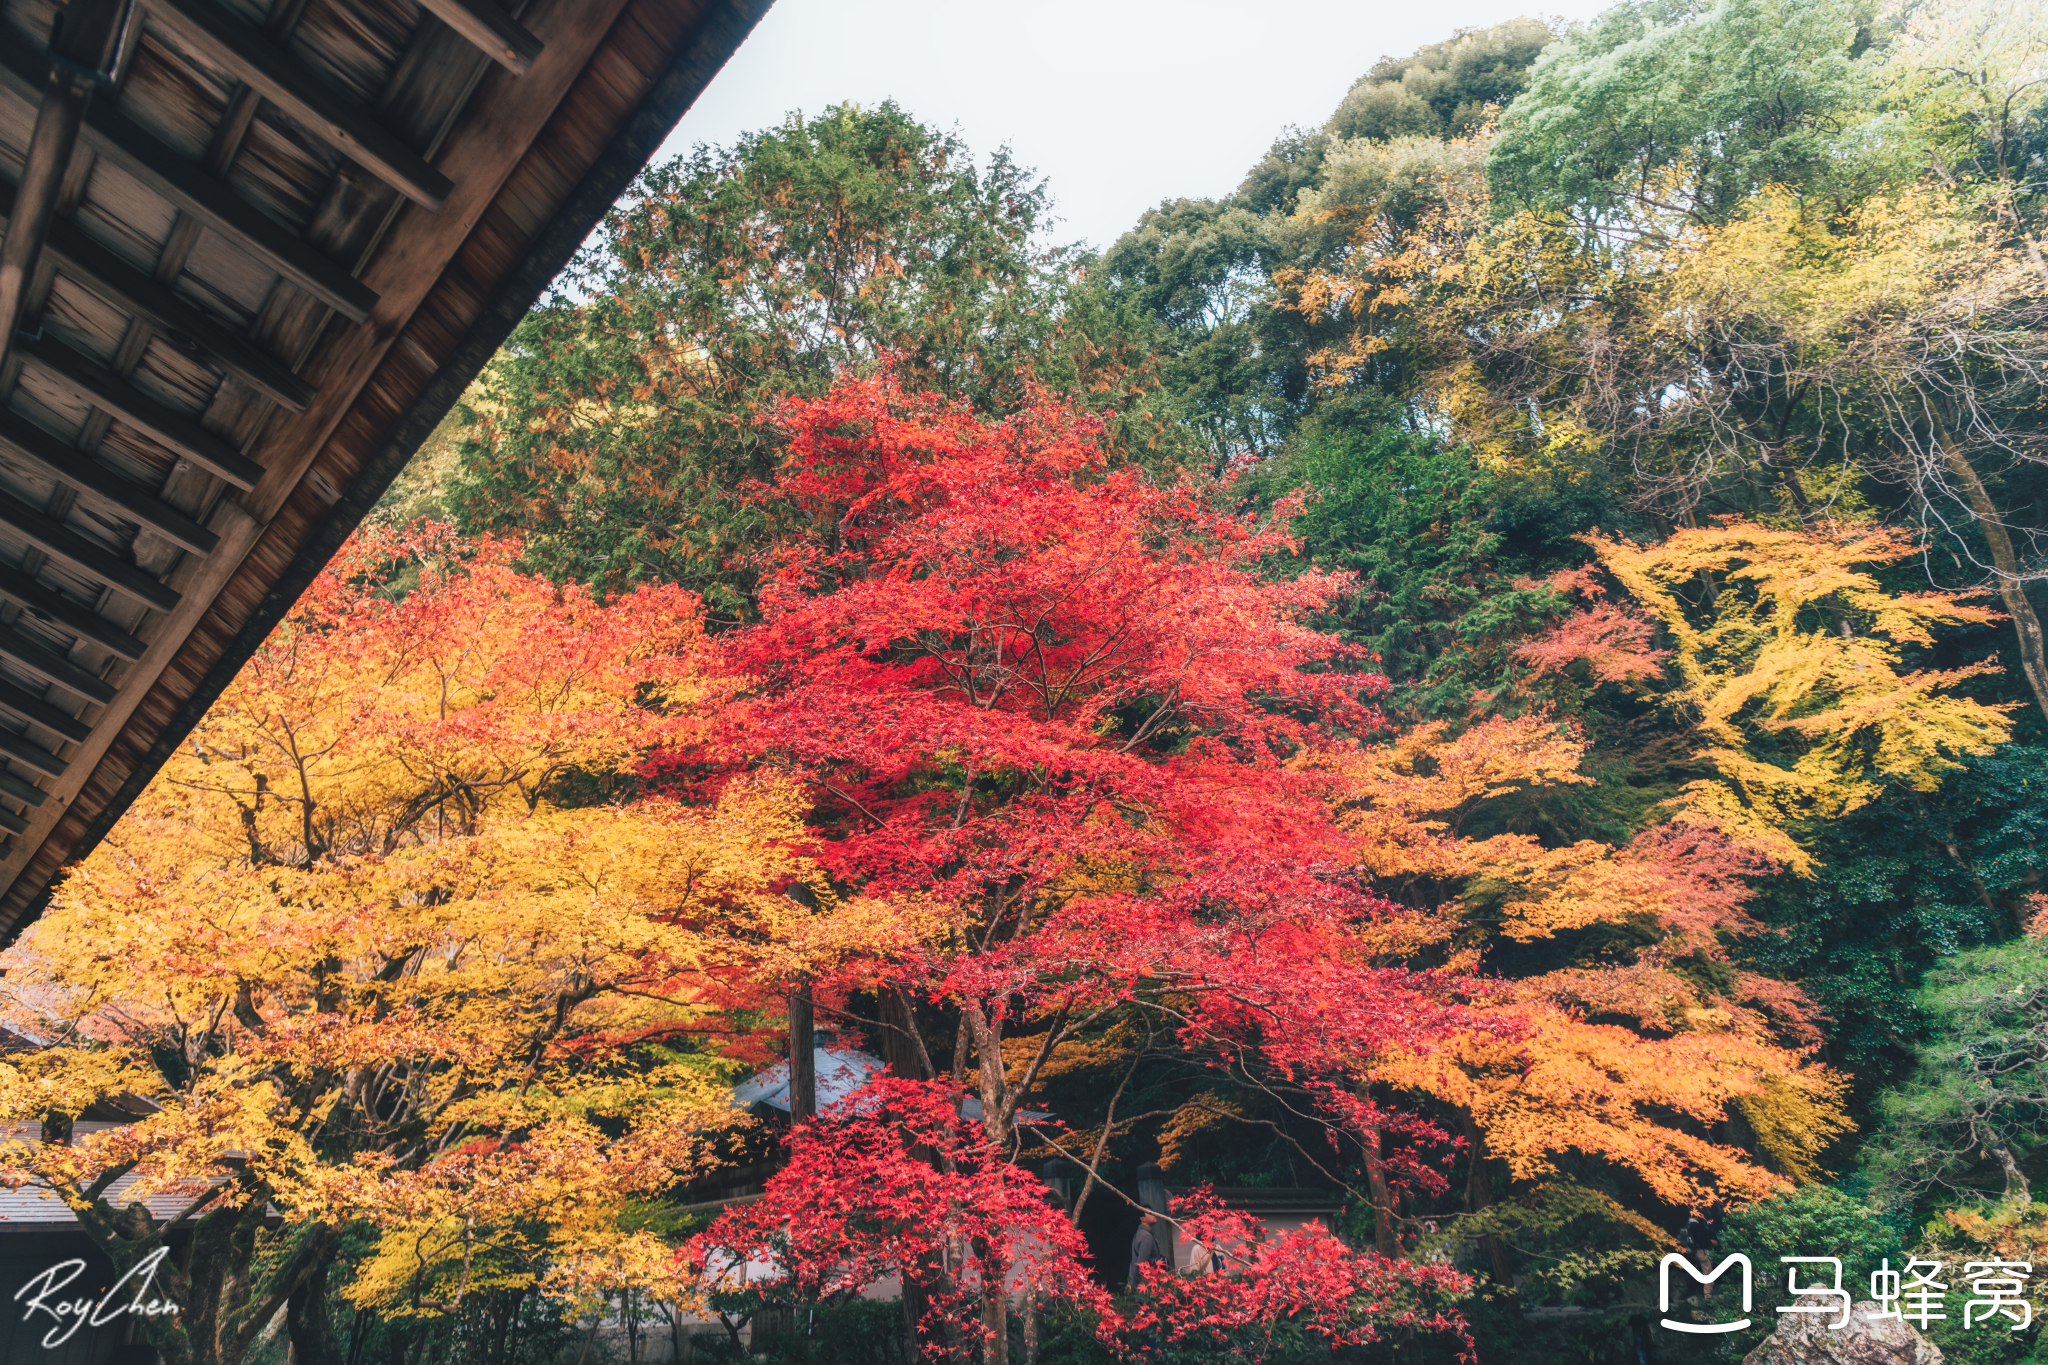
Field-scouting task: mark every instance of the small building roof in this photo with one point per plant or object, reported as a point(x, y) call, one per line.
point(33, 1208)
point(840, 1072)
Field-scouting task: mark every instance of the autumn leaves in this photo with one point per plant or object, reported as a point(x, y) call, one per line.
point(450, 918)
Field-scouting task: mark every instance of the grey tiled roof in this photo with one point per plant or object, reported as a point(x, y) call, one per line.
point(34, 1209)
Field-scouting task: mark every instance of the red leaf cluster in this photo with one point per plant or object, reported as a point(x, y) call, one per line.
point(891, 1184)
point(1260, 1290)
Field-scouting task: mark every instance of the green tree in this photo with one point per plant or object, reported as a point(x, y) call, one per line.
point(1812, 1220)
point(1967, 1120)
point(1443, 549)
point(1442, 90)
point(1196, 271)
point(1693, 106)
point(620, 428)
point(1237, 353)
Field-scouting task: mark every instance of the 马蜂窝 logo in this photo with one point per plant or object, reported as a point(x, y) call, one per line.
point(1997, 1289)
point(1664, 1291)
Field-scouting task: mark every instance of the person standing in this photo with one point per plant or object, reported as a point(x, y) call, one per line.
point(1147, 1254)
point(1702, 1237)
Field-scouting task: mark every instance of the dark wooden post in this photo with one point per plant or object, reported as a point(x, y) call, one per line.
point(803, 1056)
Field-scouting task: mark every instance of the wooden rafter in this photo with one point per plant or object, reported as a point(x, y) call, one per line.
point(59, 542)
point(284, 81)
point(172, 428)
point(493, 32)
point(82, 50)
point(38, 601)
point(31, 755)
point(121, 142)
point(37, 711)
point(184, 326)
point(27, 443)
point(40, 662)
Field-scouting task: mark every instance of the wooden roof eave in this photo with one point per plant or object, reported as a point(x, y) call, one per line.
point(346, 408)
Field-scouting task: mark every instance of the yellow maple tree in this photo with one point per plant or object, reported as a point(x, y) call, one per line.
point(1632, 1060)
point(1789, 660)
point(383, 946)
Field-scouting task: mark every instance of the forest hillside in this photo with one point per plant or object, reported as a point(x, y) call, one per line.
point(1490, 682)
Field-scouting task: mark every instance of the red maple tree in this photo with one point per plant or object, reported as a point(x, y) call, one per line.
point(1053, 711)
point(1259, 1293)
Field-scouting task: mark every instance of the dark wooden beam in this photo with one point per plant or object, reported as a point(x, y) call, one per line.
point(111, 134)
point(490, 30)
point(286, 82)
point(52, 667)
point(46, 604)
point(82, 53)
point(179, 323)
point(176, 321)
point(35, 710)
point(60, 542)
point(30, 754)
point(172, 428)
point(28, 443)
point(25, 792)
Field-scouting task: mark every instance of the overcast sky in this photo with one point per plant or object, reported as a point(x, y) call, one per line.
point(1120, 103)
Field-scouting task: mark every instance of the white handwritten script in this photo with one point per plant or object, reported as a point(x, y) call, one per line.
point(69, 1314)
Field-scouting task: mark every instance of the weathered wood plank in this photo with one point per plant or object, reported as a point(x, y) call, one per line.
point(183, 325)
point(174, 429)
point(39, 712)
point(82, 48)
point(27, 793)
point(30, 754)
point(285, 82)
point(501, 125)
point(46, 664)
point(60, 542)
point(23, 440)
point(46, 605)
point(201, 581)
point(494, 33)
point(138, 152)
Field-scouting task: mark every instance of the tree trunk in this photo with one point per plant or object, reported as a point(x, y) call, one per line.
point(995, 1125)
point(901, 1051)
point(803, 1057)
point(1382, 1205)
point(995, 1320)
point(223, 1303)
point(2012, 589)
point(2017, 1193)
point(307, 1323)
point(1479, 1195)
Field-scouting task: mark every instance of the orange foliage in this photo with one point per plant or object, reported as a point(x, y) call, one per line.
point(1630, 1058)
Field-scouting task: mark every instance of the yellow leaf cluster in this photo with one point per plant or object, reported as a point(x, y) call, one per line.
point(1607, 1092)
point(1791, 666)
point(373, 945)
point(1622, 1061)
